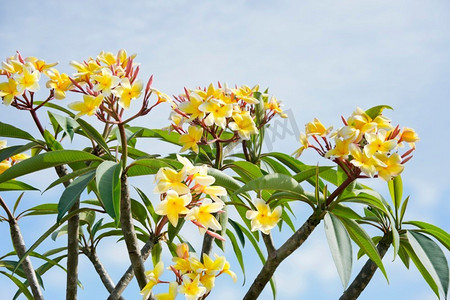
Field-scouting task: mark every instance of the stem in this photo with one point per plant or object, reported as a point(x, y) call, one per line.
point(129, 274)
point(274, 260)
point(101, 271)
point(37, 121)
point(368, 270)
point(123, 141)
point(19, 246)
point(129, 234)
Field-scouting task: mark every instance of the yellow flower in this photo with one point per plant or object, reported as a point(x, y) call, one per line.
point(19, 157)
point(182, 264)
point(392, 166)
point(244, 125)
point(173, 206)
point(245, 93)
point(4, 165)
point(305, 145)
point(226, 270)
point(361, 121)
point(88, 106)
point(39, 64)
point(213, 191)
point(341, 149)
point(274, 105)
point(191, 107)
point(127, 91)
point(191, 138)
point(8, 90)
point(191, 288)
point(368, 165)
point(167, 179)
point(182, 250)
point(162, 97)
point(410, 136)
point(59, 82)
point(171, 295)
point(153, 278)
point(213, 266)
point(105, 81)
point(316, 128)
point(203, 214)
point(349, 133)
point(378, 143)
point(85, 69)
point(217, 112)
point(3, 144)
point(263, 218)
point(12, 65)
point(107, 58)
point(28, 79)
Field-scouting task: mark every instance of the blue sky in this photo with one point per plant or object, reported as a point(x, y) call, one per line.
point(322, 58)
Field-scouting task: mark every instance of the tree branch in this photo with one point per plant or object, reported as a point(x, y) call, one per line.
point(368, 270)
point(129, 274)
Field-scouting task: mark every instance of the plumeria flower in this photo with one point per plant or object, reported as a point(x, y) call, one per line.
point(217, 112)
point(214, 191)
point(361, 121)
point(368, 165)
point(59, 82)
point(391, 166)
point(153, 279)
point(410, 136)
point(105, 81)
point(342, 149)
point(378, 143)
point(203, 214)
point(173, 206)
point(213, 266)
point(305, 145)
point(274, 105)
point(226, 270)
point(263, 218)
point(39, 64)
point(19, 157)
point(171, 295)
point(191, 107)
point(167, 179)
point(8, 90)
point(85, 69)
point(127, 91)
point(316, 128)
point(245, 93)
point(191, 138)
point(88, 106)
point(244, 125)
point(191, 288)
point(12, 65)
point(28, 79)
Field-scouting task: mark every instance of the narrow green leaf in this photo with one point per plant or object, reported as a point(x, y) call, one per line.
point(72, 193)
point(440, 234)
point(13, 150)
point(15, 185)
point(108, 186)
point(237, 251)
point(396, 191)
point(69, 176)
point(403, 209)
point(10, 131)
point(145, 166)
point(340, 246)
point(310, 172)
point(363, 240)
point(375, 111)
point(279, 182)
point(57, 107)
point(343, 211)
point(238, 231)
point(172, 137)
point(404, 255)
point(19, 284)
point(224, 180)
point(138, 211)
point(51, 142)
point(173, 231)
point(156, 253)
point(94, 134)
point(45, 161)
point(149, 205)
point(432, 258)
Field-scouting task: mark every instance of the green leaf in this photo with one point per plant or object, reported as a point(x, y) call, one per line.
point(19, 284)
point(72, 193)
point(15, 185)
point(68, 125)
point(94, 135)
point(237, 251)
point(138, 211)
point(172, 137)
point(224, 180)
point(238, 231)
point(310, 172)
point(173, 231)
point(57, 107)
point(51, 142)
point(61, 231)
point(70, 176)
point(149, 205)
point(340, 246)
point(396, 191)
point(432, 258)
point(275, 165)
point(10, 131)
point(42, 209)
point(377, 110)
point(363, 240)
point(403, 209)
point(108, 186)
point(279, 182)
point(13, 150)
point(156, 253)
point(45, 161)
point(146, 166)
point(343, 211)
point(440, 234)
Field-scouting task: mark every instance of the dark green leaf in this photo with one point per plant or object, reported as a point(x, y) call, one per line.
point(440, 234)
point(237, 251)
point(145, 166)
point(13, 150)
point(10, 131)
point(375, 111)
point(279, 182)
point(396, 191)
point(15, 185)
point(108, 186)
point(19, 284)
point(94, 134)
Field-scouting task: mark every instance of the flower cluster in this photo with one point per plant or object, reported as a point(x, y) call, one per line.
point(263, 218)
point(23, 75)
point(183, 193)
point(109, 83)
point(367, 143)
point(194, 279)
point(7, 163)
point(212, 111)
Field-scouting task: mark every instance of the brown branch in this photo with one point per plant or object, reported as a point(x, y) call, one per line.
point(129, 274)
point(368, 270)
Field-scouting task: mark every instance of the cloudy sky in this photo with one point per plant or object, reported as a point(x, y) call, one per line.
point(322, 58)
